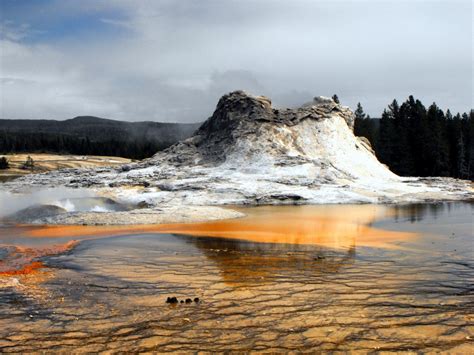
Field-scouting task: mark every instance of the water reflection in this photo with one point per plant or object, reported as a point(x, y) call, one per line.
point(298, 292)
point(332, 226)
point(419, 211)
point(337, 227)
point(241, 262)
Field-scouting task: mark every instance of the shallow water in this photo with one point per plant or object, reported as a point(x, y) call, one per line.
point(341, 278)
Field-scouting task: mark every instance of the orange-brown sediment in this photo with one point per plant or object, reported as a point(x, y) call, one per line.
point(26, 269)
point(271, 298)
point(340, 226)
point(22, 260)
point(335, 227)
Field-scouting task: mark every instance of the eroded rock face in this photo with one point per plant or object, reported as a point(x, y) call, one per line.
point(249, 152)
point(239, 115)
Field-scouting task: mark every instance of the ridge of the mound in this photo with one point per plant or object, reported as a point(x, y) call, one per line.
point(243, 122)
point(240, 106)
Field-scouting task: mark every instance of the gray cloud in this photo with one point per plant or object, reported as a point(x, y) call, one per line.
point(171, 61)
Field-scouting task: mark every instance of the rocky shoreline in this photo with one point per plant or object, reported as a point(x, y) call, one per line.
point(165, 215)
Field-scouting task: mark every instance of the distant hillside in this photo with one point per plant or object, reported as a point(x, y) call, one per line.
point(91, 135)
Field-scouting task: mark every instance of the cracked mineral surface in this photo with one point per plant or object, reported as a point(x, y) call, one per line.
point(330, 286)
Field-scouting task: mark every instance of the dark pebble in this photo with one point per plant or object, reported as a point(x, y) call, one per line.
point(188, 300)
point(172, 300)
point(196, 300)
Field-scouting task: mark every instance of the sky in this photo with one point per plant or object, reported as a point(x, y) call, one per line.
point(171, 60)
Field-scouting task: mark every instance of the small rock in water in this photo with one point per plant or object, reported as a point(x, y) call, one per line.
point(144, 204)
point(172, 300)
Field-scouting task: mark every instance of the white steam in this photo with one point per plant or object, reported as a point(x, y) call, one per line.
point(11, 202)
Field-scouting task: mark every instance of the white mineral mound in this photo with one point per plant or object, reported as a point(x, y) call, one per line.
point(248, 152)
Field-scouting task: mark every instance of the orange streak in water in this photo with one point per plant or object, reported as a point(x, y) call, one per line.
point(338, 226)
point(25, 270)
point(22, 261)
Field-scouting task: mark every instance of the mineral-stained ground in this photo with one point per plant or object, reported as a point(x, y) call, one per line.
point(415, 294)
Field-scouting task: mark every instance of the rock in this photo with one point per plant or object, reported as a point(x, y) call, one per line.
point(321, 100)
point(196, 299)
point(144, 204)
point(238, 114)
point(172, 300)
point(29, 214)
point(188, 300)
point(283, 198)
point(168, 214)
point(366, 143)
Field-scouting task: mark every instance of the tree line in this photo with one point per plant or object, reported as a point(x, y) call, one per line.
point(410, 139)
point(41, 142)
point(413, 140)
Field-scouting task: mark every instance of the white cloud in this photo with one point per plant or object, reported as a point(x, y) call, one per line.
point(170, 61)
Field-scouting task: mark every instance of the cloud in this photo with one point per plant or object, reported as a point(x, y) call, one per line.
point(171, 61)
point(13, 33)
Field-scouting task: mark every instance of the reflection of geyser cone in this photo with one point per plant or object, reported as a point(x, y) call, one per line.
point(335, 226)
point(242, 263)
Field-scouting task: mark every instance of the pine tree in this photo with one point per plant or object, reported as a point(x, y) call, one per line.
point(385, 142)
point(437, 153)
point(4, 163)
point(448, 115)
point(359, 112)
point(364, 126)
point(461, 165)
point(468, 124)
